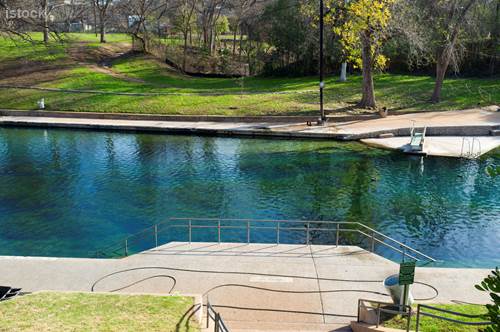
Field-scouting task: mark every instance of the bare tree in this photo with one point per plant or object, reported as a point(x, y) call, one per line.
point(140, 14)
point(184, 19)
point(454, 16)
point(102, 7)
point(209, 13)
point(240, 9)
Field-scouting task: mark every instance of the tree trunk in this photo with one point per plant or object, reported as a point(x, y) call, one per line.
point(368, 98)
point(95, 18)
point(184, 57)
point(234, 39)
point(102, 26)
point(445, 56)
point(241, 44)
point(343, 72)
point(45, 21)
point(441, 68)
point(212, 40)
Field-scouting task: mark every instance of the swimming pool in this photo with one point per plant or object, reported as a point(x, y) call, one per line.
point(70, 192)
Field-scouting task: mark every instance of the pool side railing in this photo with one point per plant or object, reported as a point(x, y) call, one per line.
point(153, 233)
point(449, 316)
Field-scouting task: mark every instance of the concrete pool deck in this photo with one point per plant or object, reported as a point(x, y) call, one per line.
point(449, 128)
point(259, 286)
point(442, 146)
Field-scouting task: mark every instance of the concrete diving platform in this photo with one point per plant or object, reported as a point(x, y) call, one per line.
point(445, 146)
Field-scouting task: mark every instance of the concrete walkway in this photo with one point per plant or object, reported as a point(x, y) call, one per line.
point(259, 286)
point(467, 122)
point(468, 119)
point(445, 130)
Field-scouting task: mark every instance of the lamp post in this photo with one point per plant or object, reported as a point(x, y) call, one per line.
point(322, 119)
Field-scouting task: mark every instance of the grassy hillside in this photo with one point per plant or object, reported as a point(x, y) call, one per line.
point(73, 65)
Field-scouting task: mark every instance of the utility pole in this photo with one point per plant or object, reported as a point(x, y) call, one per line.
point(322, 119)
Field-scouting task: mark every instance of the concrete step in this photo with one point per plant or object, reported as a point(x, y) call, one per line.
point(363, 327)
point(256, 326)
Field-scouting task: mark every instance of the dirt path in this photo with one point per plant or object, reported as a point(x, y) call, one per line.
point(99, 59)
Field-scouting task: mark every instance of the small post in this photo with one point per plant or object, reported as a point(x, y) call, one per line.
point(307, 233)
point(208, 312)
point(217, 322)
point(378, 314)
point(338, 235)
point(359, 309)
point(406, 290)
point(218, 231)
point(248, 232)
point(208, 318)
point(190, 231)
point(373, 242)
point(126, 247)
point(278, 233)
point(156, 235)
point(403, 252)
point(418, 318)
point(408, 320)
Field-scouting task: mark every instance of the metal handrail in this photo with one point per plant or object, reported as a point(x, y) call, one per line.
point(471, 147)
point(423, 313)
point(373, 235)
point(219, 325)
point(474, 140)
point(404, 310)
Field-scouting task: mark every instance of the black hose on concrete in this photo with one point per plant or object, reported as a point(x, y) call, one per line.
point(255, 287)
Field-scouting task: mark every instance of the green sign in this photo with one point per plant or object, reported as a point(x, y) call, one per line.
point(406, 273)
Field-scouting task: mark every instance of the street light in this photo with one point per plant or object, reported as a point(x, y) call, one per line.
point(322, 119)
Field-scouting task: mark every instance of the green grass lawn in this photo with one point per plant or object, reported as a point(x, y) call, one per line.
point(49, 311)
point(248, 96)
point(428, 324)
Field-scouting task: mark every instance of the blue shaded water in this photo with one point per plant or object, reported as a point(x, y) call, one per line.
point(68, 193)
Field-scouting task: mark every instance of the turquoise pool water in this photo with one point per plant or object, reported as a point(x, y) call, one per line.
point(68, 193)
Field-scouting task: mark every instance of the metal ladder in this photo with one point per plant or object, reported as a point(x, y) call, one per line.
point(417, 138)
point(469, 148)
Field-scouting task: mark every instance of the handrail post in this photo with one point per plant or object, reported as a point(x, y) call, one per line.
point(156, 235)
point(359, 309)
point(372, 248)
point(126, 247)
point(190, 231)
point(217, 322)
point(417, 322)
point(278, 233)
point(307, 233)
point(408, 320)
point(403, 252)
point(338, 235)
point(248, 232)
point(378, 314)
point(208, 312)
point(218, 231)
